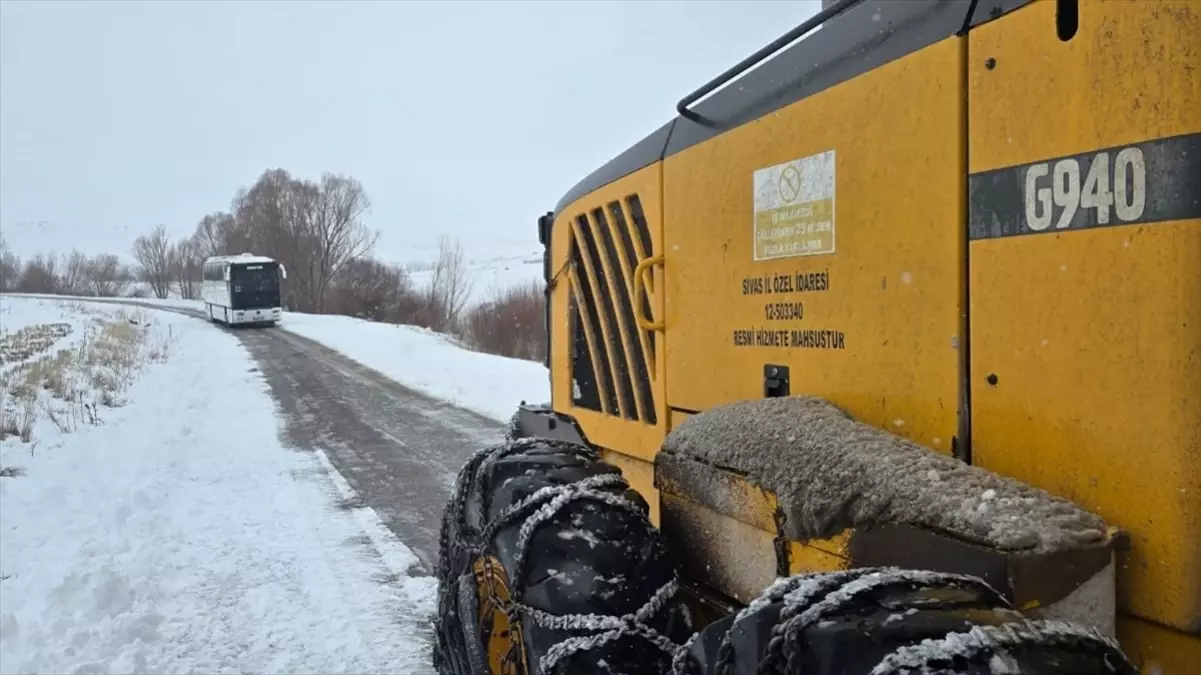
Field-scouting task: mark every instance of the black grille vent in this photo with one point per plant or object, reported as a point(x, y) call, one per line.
point(612, 357)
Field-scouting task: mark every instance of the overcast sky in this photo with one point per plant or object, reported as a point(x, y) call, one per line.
point(469, 118)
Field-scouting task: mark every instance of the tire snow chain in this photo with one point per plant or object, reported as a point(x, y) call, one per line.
point(985, 640)
point(810, 598)
point(793, 591)
point(809, 604)
point(545, 503)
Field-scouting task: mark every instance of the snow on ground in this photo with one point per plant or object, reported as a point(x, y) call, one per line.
point(178, 303)
point(62, 325)
point(430, 363)
point(172, 532)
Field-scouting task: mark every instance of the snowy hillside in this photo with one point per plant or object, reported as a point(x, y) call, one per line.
point(430, 363)
point(490, 274)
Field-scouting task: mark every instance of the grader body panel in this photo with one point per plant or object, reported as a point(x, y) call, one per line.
point(970, 228)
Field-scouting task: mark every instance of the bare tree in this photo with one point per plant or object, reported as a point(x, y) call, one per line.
point(275, 217)
point(314, 228)
point(153, 256)
point(291, 225)
point(340, 234)
point(107, 277)
point(449, 287)
point(10, 267)
point(212, 233)
point(74, 276)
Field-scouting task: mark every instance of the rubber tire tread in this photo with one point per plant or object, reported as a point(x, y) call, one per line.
point(589, 558)
point(854, 639)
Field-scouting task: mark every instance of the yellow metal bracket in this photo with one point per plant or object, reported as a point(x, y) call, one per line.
point(642, 281)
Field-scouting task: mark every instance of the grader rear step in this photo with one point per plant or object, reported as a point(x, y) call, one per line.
point(880, 357)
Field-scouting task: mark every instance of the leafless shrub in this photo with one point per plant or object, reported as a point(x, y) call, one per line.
point(107, 277)
point(116, 347)
point(74, 277)
point(57, 417)
point(8, 418)
point(39, 275)
point(369, 289)
point(72, 274)
point(511, 323)
point(186, 264)
point(159, 348)
point(116, 354)
point(27, 419)
point(55, 380)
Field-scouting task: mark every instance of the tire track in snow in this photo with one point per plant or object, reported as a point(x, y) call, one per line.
point(398, 450)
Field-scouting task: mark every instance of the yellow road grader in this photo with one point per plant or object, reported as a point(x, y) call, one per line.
point(882, 356)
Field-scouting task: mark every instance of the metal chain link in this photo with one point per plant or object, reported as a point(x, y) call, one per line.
point(865, 582)
point(988, 640)
point(534, 511)
point(797, 597)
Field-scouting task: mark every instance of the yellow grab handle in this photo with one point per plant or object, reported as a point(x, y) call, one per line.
point(640, 271)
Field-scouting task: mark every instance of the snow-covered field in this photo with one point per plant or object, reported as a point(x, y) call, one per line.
point(135, 535)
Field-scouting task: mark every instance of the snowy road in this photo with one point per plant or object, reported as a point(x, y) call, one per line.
point(397, 448)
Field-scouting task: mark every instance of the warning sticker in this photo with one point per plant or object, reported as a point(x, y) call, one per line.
point(794, 208)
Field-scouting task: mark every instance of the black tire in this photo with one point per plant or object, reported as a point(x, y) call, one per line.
point(593, 554)
point(894, 622)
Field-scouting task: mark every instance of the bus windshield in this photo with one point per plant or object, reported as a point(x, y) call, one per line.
point(254, 278)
